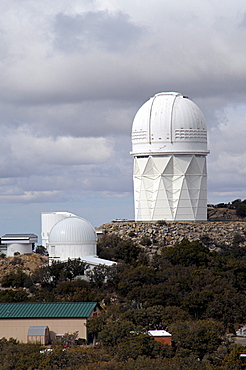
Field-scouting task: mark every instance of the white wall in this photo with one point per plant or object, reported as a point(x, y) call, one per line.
point(18, 247)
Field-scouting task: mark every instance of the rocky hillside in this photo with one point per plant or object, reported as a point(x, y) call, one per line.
point(28, 262)
point(222, 214)
point(154, 235)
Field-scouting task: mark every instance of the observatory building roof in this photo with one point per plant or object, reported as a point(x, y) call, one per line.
point(169, 123)
point(19, 238)
point(73, 230)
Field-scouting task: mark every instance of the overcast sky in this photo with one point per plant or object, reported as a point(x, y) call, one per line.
point(74, 73)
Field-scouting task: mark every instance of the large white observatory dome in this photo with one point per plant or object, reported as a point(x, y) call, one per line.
point(171, 123)
point(73, 230)
point(72, 237)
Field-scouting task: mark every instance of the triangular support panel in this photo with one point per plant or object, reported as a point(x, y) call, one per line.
point(170, 188)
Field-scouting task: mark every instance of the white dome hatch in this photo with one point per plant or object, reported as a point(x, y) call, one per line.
point(169, 123)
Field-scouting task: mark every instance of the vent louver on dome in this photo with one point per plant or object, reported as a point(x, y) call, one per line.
point(169, 122)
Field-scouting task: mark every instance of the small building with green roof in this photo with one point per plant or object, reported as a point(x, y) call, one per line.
point(27, 321)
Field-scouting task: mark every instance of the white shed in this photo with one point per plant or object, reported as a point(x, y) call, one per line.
point(38, 334)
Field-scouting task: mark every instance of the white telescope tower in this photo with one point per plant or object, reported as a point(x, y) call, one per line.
point(169, 146)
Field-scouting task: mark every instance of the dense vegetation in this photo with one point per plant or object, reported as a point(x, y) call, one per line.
point(196, 294)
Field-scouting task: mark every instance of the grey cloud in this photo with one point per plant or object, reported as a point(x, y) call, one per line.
point(84, 74)
point(111, 31)
point(226, 163)
point(67, 184)
point(84, 119)
point(242, 23)
point(24, 154)
point(33, 197)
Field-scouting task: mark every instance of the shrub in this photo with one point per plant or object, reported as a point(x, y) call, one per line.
point(145, 241)
point(241, 210)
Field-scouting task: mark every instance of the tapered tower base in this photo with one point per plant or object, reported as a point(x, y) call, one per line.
point(170, 187)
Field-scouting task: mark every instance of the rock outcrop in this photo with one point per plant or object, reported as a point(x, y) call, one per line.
point(222, 214)
point(154, 235)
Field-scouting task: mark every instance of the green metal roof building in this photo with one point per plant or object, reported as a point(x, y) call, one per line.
point(46, 309)
point(59, 317)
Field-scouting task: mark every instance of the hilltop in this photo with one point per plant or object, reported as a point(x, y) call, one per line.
point(152, 236)
point(222, 214)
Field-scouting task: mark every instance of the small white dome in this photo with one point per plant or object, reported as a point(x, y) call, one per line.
point(73, 230)
point(169, 123)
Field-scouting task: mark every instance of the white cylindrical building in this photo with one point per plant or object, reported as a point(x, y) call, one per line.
point(48, 220)
point(169, 145)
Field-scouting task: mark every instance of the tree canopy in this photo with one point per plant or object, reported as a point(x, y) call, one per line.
point(196, 294)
